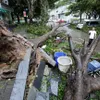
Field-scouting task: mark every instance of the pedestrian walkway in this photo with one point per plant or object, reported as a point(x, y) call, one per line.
point(6, 87)
point(78, 36)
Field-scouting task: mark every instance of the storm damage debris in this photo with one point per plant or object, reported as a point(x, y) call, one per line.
point(12, 47)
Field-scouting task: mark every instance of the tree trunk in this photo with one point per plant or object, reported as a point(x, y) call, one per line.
point(79, 83)
point(80, 16)
point(44, 11)
point(18, 19)
point(46, 57)
point(38, 42)
point(31, 8)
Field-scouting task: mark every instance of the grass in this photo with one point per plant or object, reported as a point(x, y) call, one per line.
point(62, 86)
point(53, 46)
point(32, 30)
point(20, 27)
point(86, 28)
point(38, 30)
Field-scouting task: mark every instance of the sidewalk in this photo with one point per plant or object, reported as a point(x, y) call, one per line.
point(78, 36)
point(6, 87)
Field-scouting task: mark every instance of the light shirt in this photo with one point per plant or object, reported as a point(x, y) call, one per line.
point(92, 34)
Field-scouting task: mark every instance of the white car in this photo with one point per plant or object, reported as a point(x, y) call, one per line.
point(79, 26)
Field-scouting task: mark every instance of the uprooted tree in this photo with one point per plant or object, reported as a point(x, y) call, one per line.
point(79, 83)
point(12, 50)
point(13, 47)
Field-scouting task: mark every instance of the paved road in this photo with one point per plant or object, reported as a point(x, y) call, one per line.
point(5, 89)
point(78, 36)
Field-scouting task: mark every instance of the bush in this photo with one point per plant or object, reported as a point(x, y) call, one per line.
point(38, 30)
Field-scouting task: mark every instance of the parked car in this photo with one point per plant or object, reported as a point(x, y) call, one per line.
point(80, 26)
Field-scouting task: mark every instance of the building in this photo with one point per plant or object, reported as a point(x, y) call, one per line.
point(60, 13)
point(5, 11)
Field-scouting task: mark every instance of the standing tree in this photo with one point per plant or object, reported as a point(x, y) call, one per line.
point(78, 7)
point(31, 8)
point(35, 8)
point(44, 10)
point(18, 7)
point(90, 7)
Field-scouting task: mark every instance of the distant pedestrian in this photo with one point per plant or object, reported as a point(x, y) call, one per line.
point(92, 36)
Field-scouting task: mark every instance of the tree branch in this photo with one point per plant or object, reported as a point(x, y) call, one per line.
point(92, 47)
point(71, 46)
point(75, 54)
point(89, 53)
point(84, 48)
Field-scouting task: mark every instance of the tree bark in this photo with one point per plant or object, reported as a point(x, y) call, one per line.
point(18, 19)
point(31, 8)
point(80, 84)
point(12, 47)
point(44, 11)
point(47, 57)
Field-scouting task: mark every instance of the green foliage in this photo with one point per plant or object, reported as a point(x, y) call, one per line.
point(51, 3)
point(62, 86)
point(86, 28)
point(97, 55)
point(68, 13)
point(61, 3)
point(88, 6)
point(96, 95)
point(73, 26)
point(52, 46)
point(38, 30)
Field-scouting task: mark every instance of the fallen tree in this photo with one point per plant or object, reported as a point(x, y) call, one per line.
point(11, 46)
point(79, 83)
point(12, 49)
point(38, 42)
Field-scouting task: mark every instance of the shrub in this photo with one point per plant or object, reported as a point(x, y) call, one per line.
point(38, 30)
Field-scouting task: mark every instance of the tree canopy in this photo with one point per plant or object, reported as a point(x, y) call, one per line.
point(37, 5)
point(90, 7)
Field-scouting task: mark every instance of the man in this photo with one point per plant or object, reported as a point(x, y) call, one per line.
point(92, 36)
